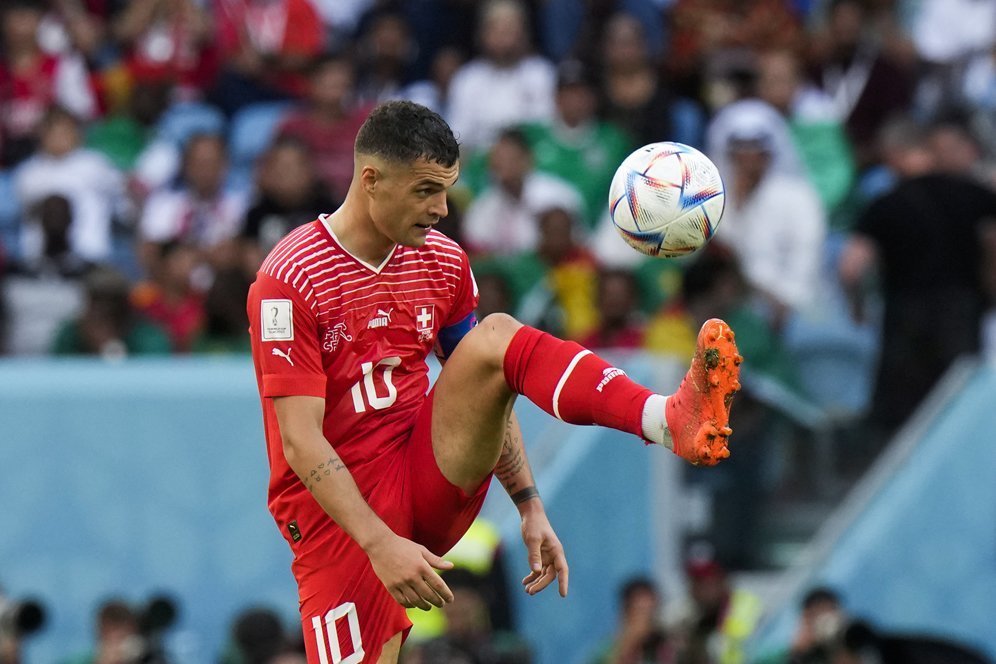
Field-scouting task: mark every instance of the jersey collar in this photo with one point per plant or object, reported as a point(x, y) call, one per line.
point(324, 219)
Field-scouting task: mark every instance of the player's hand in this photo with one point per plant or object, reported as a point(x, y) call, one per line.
point(546, 554)
point(406, 570)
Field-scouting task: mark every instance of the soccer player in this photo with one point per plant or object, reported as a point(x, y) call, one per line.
point(372, 475)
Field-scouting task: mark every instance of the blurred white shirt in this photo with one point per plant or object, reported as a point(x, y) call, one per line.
point(95, 191)
point(177, 215)
point(485, 99)
point(500, 224)
point(778, 235)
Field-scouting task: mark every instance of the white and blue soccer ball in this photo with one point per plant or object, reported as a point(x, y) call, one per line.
point(666, 199)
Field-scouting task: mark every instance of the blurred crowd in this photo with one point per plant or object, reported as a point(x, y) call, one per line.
point(153, 151)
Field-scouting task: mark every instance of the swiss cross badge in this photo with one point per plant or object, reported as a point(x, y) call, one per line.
point(423, 321)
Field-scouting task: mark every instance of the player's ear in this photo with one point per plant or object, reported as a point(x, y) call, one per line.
point(370, 175)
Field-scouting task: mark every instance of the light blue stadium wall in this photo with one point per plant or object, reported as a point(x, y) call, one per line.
point(921, 555)
point(131, 478)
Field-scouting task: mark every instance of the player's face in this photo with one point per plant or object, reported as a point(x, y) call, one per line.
point(410, 199)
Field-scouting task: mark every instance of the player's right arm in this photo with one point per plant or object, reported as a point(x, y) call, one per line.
point(286, 348)
point(404, 567)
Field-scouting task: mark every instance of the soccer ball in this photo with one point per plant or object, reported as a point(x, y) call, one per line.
point(666, 199)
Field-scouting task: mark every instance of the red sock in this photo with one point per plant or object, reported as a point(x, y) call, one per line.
point(572, 383)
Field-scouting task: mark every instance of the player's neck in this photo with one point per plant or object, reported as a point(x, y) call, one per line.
point(357, 235)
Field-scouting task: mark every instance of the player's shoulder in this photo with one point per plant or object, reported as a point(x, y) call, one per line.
point(441, 247)
point(297, 252)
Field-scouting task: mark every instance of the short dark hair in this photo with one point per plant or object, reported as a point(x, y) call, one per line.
point(819, 595)
point(635, 586)
point(403, 131)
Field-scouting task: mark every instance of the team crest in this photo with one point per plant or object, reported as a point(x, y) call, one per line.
point(333, 335)
point(424, 314)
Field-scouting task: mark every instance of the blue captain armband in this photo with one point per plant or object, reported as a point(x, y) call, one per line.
point(449, 337)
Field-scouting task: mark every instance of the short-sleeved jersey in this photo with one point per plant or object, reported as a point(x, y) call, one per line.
point(324, 323)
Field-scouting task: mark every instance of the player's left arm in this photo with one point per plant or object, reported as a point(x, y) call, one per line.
point(547, 560)
point(546, 554)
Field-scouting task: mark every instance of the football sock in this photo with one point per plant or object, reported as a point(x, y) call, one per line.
point(575, 385)
point(654, 422)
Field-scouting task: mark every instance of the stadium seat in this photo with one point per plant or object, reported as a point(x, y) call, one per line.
point(10, 215)
point(183, 120)
point(250, 133)
point(836, 361)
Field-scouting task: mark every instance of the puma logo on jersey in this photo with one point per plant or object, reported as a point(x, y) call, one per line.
point(607, 376)
point(382, 319)
point(286, 356)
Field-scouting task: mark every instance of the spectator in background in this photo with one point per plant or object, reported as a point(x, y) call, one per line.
point(257, 638)
point(31, 81)
point(123, 136)
point(169, 299)
point(952, 38)
point(226, 323)
point(168, 41)
point(817, 134)
point(920, 278)
point(494, 291)
point(504, 218)
point(386, 50)
point(956, 151)
point(620, 322)
point(117, 634)
point(288, 194)
point(575, 145)
point(434, 92)
point(632, 94)
point(329, 122)
point(822, 622)
point(773, 222)
point(556, 284)
point(640, 637)
point(94, 189)
point(505, 85)
point(705, 29)
point(200, 212)
point(470, 637)
point(722, 617)
point(266, 46)
point(108, 326)
point(39, 294)
point(865, 84)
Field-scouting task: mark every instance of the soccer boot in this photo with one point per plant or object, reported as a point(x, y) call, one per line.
point(698, 414)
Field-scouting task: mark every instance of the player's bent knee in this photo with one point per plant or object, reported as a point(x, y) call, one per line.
point(492, 334)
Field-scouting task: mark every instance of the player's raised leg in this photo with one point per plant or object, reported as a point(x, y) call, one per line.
point(501, 358)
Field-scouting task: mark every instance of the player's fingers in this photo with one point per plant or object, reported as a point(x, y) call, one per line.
point(548, 575)
point(529, 578)
point(535, 553)
point(401, 598)
point(439, 588)
point(435, 560)
point(417, 597)
point(563, 571)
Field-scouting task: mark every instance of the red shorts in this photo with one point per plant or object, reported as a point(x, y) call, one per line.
point(346, 611)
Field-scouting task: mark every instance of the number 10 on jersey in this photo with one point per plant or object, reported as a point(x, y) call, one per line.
point(364, 391)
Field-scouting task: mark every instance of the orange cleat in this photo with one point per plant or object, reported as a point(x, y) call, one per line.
point(698, 414)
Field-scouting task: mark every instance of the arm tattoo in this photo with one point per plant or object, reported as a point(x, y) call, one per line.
point(522, 496)
point(324, 469)
point(511, 461)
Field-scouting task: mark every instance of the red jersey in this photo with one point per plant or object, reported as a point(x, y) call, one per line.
point(324, 323)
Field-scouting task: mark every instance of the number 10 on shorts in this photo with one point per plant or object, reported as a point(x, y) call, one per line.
point(327, 635)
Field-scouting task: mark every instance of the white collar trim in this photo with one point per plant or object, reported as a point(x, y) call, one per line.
point(376, 270)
